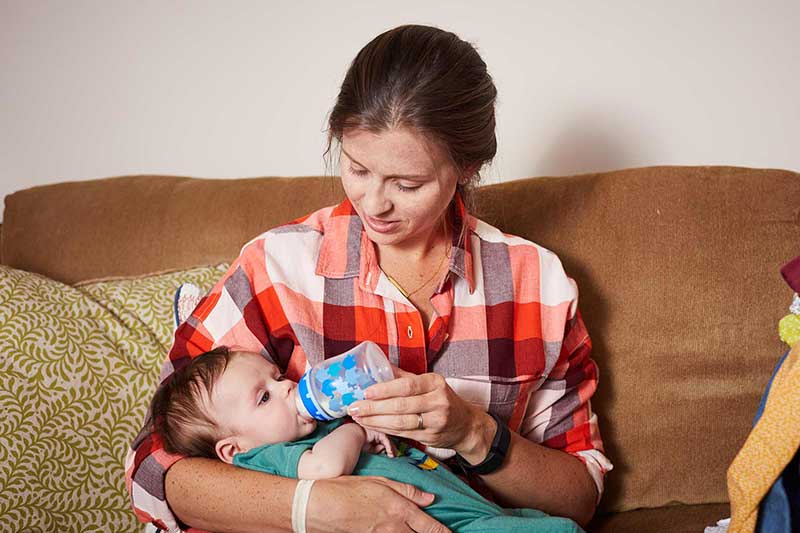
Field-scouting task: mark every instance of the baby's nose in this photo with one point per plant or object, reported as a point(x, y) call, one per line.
point(286, 386)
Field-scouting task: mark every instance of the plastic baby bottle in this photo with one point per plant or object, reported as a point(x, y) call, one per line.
point(327, 388)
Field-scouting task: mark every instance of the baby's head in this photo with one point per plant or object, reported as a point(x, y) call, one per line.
point(226, 402)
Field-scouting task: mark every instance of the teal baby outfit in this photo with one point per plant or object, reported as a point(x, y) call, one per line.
point(457, 505)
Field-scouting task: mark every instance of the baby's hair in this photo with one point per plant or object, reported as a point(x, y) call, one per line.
point(179, 409)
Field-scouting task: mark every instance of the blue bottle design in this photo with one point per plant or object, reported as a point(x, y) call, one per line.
point(326, 389)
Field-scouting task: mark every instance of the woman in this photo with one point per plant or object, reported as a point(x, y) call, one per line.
point(402, 263)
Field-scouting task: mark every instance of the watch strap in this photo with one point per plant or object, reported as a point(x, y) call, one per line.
point(497, 451)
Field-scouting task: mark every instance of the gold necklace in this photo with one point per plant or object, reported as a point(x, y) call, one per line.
point(408, 294)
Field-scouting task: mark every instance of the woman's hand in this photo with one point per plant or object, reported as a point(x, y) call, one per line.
point(395, 407)
point(369, 503)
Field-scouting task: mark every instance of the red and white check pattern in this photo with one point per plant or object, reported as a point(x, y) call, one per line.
point(506, 335)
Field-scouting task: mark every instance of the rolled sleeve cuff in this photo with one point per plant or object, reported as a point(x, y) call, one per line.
point(597, 464)
point(148, 491)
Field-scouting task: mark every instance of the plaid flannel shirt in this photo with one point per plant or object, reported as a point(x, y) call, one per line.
point(506, 333)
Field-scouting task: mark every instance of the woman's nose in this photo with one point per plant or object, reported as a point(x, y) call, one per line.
point(375, 202)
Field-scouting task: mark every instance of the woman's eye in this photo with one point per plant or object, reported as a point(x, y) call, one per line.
point(403, 188)
point(264, 398)
point(400, 186)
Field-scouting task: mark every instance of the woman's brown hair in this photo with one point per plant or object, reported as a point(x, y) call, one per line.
point(428, 80)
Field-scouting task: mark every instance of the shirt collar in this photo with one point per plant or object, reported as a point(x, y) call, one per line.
point(347, 252)
point(461, 262)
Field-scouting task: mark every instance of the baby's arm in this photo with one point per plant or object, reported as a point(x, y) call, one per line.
point(334, 455)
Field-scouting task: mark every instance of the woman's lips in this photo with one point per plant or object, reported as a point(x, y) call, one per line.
point(381, 226)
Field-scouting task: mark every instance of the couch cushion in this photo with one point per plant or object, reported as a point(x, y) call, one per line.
point(77, 370)
point(669, 519)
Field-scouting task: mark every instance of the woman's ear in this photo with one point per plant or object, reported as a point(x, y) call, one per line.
point(468, 173)
point(227, 448)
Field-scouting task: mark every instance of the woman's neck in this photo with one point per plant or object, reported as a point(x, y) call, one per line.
point(420, 252)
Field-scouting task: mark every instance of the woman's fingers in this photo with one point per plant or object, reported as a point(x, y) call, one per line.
point(408, 385)
point(421, 522)
point(369, 503)
point(408, 491)
point(405, 386)
point(393, 424)
point(399, 372)
point(402, 405)
point(417, 519)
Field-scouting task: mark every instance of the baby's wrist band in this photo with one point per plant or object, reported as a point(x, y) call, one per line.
point(300, 504)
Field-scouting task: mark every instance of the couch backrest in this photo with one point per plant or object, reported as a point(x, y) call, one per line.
point(134, 225)
point(677, 268)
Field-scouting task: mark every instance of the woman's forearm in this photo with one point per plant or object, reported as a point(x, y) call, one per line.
point(215, 496)
point(218, 497)
point(536, 476)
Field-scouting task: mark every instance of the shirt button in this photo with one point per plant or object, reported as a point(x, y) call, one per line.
point(410, 333)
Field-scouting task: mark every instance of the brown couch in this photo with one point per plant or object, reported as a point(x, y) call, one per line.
point(677, 268)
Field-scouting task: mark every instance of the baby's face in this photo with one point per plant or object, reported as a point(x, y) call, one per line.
point(252, 399)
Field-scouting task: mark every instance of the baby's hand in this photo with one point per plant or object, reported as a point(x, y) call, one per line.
point(378, 442)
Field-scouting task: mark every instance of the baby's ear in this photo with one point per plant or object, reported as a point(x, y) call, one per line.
point(227, 448)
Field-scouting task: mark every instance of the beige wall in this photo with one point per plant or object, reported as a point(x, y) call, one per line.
point(231, 89)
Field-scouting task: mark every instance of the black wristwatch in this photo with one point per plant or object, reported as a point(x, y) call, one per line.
point(497, 451)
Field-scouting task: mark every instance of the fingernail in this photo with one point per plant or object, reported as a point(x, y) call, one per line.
point(352, 411)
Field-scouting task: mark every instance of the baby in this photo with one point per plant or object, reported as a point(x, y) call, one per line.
point(237, 407)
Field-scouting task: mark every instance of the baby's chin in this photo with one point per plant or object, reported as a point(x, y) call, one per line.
point(305, 420)
point(307, 426)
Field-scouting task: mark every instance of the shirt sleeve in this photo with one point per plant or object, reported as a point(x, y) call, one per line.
point(559, 414)
point(241, 311)
point(282, 459)
point(278, 459)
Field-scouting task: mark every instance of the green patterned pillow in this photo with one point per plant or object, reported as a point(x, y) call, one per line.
point(77, 368)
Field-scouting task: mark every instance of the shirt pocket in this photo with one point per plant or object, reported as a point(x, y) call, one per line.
point(497, 395)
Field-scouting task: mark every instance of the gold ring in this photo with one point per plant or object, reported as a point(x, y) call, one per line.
point(419, 421)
